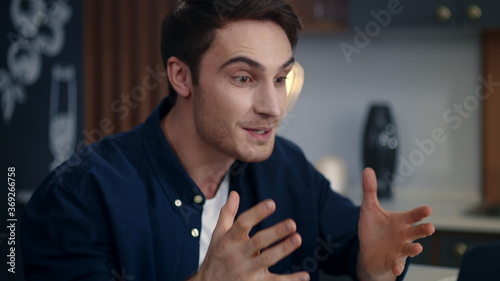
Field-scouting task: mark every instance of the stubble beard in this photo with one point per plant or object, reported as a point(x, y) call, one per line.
point(218, 134)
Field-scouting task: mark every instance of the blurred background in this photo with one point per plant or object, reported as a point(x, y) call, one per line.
point(73, 71)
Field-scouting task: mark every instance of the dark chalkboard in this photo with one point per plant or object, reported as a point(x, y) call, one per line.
point(41, 98)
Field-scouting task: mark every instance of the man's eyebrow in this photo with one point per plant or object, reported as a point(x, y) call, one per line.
point(246, 60)
point(254, 63)
point(288, 63)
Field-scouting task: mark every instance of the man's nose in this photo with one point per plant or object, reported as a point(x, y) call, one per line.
point(270, 100)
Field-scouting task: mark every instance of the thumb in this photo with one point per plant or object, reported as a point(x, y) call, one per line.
point(227, 215)
point(369, 188)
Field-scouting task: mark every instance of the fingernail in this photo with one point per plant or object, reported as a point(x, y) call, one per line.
point(270, 204)
point(295, 240)
point(305, 277)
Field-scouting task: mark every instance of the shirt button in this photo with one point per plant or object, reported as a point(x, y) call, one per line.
point(178, 203)
point(198, 199)
point(195, 232)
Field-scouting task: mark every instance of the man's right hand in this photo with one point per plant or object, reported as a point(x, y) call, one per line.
point(233, 255)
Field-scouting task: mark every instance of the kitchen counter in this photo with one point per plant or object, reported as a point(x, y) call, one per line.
point(431, 273)
point(416, 272)
point(450, 208)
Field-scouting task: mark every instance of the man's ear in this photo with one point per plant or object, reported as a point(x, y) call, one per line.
point(179, 76)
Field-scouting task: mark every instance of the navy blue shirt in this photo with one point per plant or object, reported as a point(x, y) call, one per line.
point(124, 208)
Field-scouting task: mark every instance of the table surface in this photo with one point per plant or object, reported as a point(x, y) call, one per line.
point(418, 272)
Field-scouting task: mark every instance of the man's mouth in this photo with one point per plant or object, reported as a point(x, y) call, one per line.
point(260, 130)
point(260, 133)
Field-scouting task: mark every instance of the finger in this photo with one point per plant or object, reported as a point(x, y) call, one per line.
point(398, 269)
point(418, 214)
point(227, 214)
point(398, 266)
point(297, 276)
point(420, 231)
point(268, 236)
point(276, 253)
point(369, 188)
point(247, 220)
point(411, 249)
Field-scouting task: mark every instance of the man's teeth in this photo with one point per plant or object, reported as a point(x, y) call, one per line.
point(259, 132)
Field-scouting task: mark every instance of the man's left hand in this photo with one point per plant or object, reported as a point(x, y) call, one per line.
point(386, 238)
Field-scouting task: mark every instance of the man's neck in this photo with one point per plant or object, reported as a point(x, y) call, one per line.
point(204, 165)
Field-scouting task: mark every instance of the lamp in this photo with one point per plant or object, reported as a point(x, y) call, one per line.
point(294, 82)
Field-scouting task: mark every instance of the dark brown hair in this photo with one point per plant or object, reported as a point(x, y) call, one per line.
point(189, 29)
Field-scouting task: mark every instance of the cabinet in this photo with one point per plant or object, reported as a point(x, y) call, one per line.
point(425, 13)
point(337, 15)
point(322, 15)
point(480, 13)
point(446, 248)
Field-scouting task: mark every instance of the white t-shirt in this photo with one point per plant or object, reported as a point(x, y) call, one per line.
point(210, 215)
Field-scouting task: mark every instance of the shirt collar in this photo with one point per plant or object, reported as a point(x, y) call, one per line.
point(173, 178)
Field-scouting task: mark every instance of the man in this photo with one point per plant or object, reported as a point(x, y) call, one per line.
point(204, 190)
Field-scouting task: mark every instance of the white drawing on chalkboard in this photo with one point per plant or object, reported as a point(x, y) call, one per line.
point(62, 113)
point(28, 16)
point(24, 62)
point(12, 93)
point(40, 31)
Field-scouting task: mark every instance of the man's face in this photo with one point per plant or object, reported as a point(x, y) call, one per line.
point(241, 96)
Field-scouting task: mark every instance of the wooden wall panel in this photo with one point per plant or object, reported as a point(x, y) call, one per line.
point(491, 118)
point(122, 63)
point(125, 61)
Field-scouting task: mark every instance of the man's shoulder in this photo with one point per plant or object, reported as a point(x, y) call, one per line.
point(112, 156)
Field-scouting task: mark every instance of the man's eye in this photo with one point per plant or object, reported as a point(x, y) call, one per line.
point(242, 79)
point(281, 80)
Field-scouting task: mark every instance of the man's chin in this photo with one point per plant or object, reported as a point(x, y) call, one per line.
point(255, 159)
point(256, 155)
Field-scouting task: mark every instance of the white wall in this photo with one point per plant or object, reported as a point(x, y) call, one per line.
point(421, 74)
